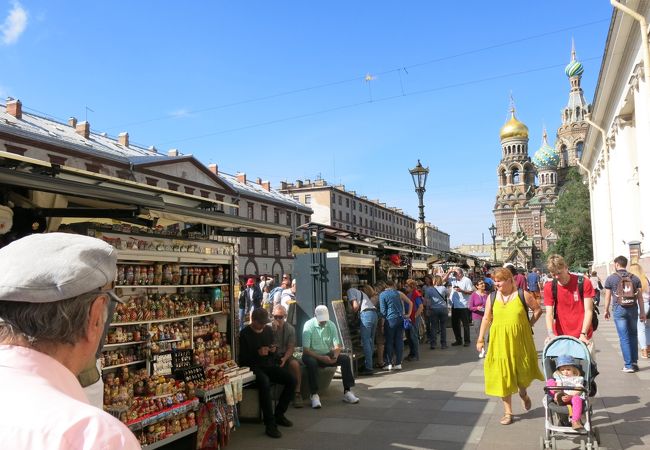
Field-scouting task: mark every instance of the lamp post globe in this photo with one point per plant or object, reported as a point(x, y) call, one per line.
point(419, 175)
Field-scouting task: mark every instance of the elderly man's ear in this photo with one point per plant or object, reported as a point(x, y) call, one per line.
point(97, 317)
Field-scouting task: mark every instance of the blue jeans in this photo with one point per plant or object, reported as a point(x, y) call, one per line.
point(413, 339)
point(626, 320)
point(643, 329)
point(368, 329)
point(438, 324)
point(242, 316)
point(394, 332)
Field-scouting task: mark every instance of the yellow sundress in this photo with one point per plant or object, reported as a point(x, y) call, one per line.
point(511, 360)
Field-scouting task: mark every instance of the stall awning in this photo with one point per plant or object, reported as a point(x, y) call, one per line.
point(45, 183)
point(356, 260)
point(153, 206)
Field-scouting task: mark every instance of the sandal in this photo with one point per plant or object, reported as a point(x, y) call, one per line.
point(526, 402)
point(506, 419)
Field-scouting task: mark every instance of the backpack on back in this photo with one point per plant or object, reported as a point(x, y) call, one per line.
point(581, 293)
point(520, 293)
point(625, 291)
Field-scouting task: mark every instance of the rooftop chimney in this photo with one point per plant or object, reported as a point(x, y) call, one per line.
point(214, 169)
point(172, 152)
point(15, 108)
point(83, 129)
point(72, 121)
point(241, 177)
point(123, 139)
point(266, 185)
point(298, 183)
point(258, 180)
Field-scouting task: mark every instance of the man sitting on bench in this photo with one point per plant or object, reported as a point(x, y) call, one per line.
point(257, 351)
point(322, 348)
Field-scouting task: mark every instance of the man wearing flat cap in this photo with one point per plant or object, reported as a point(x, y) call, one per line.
point(55, 304)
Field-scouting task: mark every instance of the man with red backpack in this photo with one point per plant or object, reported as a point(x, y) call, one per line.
point(569, 302)
point(625, 288)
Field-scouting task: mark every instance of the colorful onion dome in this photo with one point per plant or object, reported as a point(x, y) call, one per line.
point(546, 156)
point(574, 68)
point(513, 128)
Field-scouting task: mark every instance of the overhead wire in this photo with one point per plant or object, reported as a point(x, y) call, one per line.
point(361, 78)
point(370, 101)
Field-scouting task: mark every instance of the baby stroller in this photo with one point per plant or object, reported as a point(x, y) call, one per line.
point(556, 417)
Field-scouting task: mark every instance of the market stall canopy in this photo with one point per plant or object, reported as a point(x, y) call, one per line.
point(116, 194)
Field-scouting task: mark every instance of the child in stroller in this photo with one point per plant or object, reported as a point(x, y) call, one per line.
point(567, 403)
point(566, 375)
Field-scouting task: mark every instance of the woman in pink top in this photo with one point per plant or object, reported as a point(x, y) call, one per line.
point(476, 305)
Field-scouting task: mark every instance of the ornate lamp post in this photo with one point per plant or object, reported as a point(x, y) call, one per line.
point(419, 175)
point(493, 234)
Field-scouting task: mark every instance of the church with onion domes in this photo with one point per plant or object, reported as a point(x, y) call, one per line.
point(527, 186)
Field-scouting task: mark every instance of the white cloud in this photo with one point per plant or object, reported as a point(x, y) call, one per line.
point(14, 24)
point(181, 113)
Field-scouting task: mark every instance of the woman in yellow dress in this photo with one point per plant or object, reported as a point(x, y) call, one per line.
point(511, 362)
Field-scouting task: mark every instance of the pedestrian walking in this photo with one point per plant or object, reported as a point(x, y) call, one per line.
point(511, 364)
point(476, 305)
point(462, 288)
point(623, 289)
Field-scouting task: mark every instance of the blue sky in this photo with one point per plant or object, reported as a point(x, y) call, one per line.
point(276, 88)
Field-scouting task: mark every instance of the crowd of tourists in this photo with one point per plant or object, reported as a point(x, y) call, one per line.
point(53, 320)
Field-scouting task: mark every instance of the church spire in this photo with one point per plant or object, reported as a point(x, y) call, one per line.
point(577, 106)
point(516, 228)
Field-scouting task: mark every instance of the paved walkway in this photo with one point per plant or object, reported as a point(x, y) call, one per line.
point(438, 403)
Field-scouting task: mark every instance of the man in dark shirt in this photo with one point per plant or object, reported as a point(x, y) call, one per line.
point(257, 351)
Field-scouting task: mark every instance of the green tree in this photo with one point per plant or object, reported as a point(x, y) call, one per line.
point(570, 220)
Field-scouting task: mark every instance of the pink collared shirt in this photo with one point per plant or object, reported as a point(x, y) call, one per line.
point(45, 408)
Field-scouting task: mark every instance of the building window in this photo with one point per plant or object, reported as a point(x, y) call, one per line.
point(306, 219)
point(288, 219)
point(579, 149)
point(265, 246)
point(251, 211)
point(354, 204)
point(340, 215)
point(265, 213)
point(189, 190)
point(366, 209)
point(172, 186)
point(347, 202)
point(250, 245)
point(347, 217)
point(297, 220)
point(339, 200)
point(307, 199)
point(276, 246)
point(151, 181)
point(288, 245)
point(276, 216)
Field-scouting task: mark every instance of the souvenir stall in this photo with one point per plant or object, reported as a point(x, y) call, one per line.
point(168, 363)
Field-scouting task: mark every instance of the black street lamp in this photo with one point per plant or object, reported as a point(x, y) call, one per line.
point(493, 233)
point(419, 175)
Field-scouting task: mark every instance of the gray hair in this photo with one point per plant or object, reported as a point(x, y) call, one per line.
point(280, 308)
point(62, 322)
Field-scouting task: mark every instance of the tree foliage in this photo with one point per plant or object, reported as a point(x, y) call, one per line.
point(570, 220)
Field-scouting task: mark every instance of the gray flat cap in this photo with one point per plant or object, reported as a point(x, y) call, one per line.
point(49, 267)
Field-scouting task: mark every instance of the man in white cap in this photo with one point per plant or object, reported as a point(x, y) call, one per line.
point(322, 348)
point(55, 300)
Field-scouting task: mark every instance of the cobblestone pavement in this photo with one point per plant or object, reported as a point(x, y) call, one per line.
point(439, 403)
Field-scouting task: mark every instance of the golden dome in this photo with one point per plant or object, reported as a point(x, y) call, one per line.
point(513, 128)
